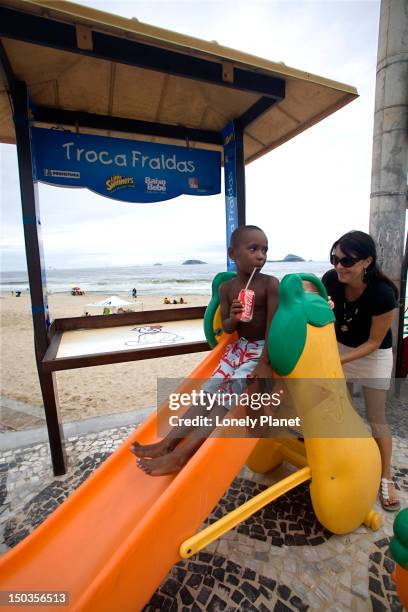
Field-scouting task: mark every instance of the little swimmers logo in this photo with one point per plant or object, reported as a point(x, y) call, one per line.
point(113, 183)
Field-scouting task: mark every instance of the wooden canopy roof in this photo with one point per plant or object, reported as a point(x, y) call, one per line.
point(105, 74)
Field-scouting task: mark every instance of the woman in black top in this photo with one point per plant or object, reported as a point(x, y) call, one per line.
point(364, 305)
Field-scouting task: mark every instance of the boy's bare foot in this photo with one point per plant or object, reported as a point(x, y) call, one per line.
point(152, 450)
point(160, 466)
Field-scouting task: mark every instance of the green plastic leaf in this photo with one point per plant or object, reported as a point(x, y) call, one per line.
point(209, 314)
point(297, 308)
point(399, 553)
point(287, 338)
point(401, 527)
point(399, 543)
point(317, 310)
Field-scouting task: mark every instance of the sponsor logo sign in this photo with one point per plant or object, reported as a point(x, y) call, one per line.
point(128, 170)
point(113, 183)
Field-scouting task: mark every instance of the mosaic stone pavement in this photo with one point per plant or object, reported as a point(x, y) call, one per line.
point(280, 559)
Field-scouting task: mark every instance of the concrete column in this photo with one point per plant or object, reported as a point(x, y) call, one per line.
point(390, 142)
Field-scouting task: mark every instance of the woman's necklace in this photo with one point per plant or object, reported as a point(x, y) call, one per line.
point(348, 316)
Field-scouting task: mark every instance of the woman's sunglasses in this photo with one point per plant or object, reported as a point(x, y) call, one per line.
point(346, 262)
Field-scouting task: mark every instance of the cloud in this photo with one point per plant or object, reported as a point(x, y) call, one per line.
point(304, 194)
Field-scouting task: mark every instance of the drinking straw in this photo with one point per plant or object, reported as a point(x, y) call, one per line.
point(250, 278)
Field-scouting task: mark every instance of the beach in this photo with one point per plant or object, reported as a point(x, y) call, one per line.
point(108, 389)
point(83, 392)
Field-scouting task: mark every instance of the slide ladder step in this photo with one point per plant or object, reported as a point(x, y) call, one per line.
point(200, 540)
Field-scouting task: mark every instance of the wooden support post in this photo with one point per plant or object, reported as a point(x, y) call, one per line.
point(36, 272)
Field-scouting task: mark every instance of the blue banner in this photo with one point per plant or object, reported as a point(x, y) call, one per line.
point(127, 170)
point(231, 207)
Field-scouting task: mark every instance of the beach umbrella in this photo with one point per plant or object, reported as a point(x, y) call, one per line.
point(77, 291)
point(112, 302)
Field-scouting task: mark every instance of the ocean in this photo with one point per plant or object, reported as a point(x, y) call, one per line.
point(148, 280)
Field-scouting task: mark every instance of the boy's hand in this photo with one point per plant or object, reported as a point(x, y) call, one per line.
point(262, 370)
point(236, 308)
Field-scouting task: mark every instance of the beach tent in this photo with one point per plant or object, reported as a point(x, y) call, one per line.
point(239, 107)
point(113, 302)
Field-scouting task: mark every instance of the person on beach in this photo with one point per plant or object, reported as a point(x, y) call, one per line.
point(246, 358)
point(364, 306)
point(134, 292)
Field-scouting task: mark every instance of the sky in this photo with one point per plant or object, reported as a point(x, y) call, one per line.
point(304, 194)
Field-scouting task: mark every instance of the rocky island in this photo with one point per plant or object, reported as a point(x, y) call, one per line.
point(289, 257)
point(190, 262)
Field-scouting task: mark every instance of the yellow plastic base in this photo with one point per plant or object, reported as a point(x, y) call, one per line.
point(373, 520)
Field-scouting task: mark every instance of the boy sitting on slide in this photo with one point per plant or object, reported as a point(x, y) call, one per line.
point(246, 358)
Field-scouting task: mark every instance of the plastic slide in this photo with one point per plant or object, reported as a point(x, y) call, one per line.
point(111, 543)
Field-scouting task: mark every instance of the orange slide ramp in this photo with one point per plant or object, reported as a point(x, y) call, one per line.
point(111, 543)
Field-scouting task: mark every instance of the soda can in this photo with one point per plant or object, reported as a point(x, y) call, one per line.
point(247, 299)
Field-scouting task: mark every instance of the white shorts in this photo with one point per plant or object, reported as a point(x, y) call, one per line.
point(373, 370)
point(239, 359)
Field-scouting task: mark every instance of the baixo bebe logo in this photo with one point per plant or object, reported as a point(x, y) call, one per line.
point(117, 182)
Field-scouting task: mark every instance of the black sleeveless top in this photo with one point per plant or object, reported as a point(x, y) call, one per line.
point(353, 319)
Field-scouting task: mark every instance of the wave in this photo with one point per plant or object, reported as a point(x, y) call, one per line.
point(156, 280)
point(178, 281)
point(15, 283)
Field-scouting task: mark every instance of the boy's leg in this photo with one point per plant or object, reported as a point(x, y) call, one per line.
point(154, 450)
point(175, 460)
point(167, 445)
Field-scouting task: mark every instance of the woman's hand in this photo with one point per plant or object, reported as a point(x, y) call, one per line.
point(330, 302)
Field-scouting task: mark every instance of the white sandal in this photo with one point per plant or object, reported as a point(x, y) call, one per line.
point(385, 497)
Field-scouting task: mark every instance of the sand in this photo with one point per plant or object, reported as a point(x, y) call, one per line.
point(89, 391)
